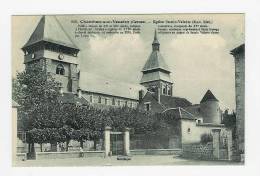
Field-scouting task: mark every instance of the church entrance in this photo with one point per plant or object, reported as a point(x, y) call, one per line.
point(117, 143)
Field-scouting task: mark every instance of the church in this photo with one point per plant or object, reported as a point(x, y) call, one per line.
point(51, 47)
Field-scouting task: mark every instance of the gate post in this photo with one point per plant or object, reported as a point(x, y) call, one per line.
point(229, 144)
point(126, 142)
point(107, 140)
point(216, 136)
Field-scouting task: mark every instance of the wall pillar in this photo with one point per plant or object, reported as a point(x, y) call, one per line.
point(126, 142)
point(229, 144)
point(107, 140)
point(216, 139)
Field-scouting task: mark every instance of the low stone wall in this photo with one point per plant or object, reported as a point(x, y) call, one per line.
point(198, 151)
point(21, 156)
point(156, 152)
point(63, 155)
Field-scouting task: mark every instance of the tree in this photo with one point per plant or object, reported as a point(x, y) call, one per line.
point(37, 93)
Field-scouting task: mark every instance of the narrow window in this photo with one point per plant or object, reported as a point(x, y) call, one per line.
point(169, 91)
point(113, 101)
point(91, 99)
point(60, 69)
point(164, 89)
point(147, 106)
point(118, 102)
point(99, 99)
point(125, 103)
point(105, 101)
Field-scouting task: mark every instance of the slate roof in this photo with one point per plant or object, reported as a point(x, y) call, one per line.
point(155, 60)
point(239, 49)
point(71, 98)
point(174, 102)
point(155, 40)
point(98, 84)
point(180, 113)
point(208, 97)
point(49, 29)
point(194, 109)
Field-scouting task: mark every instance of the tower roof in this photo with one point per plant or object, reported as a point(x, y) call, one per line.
point(155, 60)
point(208, 97)
point(155, 40)
point(49, 29)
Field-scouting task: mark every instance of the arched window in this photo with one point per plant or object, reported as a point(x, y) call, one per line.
point(60, 69)
point(164, 90)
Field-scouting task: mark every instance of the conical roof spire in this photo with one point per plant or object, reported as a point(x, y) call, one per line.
point(155, 40)
point(208, 97)
point(155, 60)
point(49, 29)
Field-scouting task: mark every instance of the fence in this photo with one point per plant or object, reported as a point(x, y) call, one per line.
point(140, 141)
point(198, 151)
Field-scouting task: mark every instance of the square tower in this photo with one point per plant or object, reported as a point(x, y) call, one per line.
point(156, 73)
point(51, 47)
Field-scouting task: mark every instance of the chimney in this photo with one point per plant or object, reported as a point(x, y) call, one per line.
point(141, 94)
point(79, 92)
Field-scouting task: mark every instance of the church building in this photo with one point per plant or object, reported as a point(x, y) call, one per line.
point(52, 48)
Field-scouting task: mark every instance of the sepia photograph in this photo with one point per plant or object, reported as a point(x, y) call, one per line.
point(128, 90)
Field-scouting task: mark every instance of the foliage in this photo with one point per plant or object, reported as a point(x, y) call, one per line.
point(47, 120)
point(205, 138)
point(36, 92)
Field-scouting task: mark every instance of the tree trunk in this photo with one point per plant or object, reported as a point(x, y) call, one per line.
point(33, 149)
point(29, 147)
point(67, 145)
point(95, 144)
point(41, 147)
point(81, 144)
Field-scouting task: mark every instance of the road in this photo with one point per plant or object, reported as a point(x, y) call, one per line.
point(139, 160)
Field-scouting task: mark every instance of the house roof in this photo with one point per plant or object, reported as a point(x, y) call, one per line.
point(173, 102)
point(194, 109)
point(239, 49)
point(180, 113)
point(208, 97)
point(72, 99)
point(49, 29)
point(95, 83)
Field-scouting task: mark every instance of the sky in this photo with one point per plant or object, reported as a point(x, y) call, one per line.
point(197, 62)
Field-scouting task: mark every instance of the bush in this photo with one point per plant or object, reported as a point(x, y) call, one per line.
point(205, 138)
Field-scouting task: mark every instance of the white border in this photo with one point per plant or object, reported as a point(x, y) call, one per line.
point(25, 7)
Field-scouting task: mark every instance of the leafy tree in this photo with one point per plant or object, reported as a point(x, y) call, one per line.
point(37, 94)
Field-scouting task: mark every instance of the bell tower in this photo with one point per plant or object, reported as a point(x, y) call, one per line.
point(156, 73)
point(51, 47)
